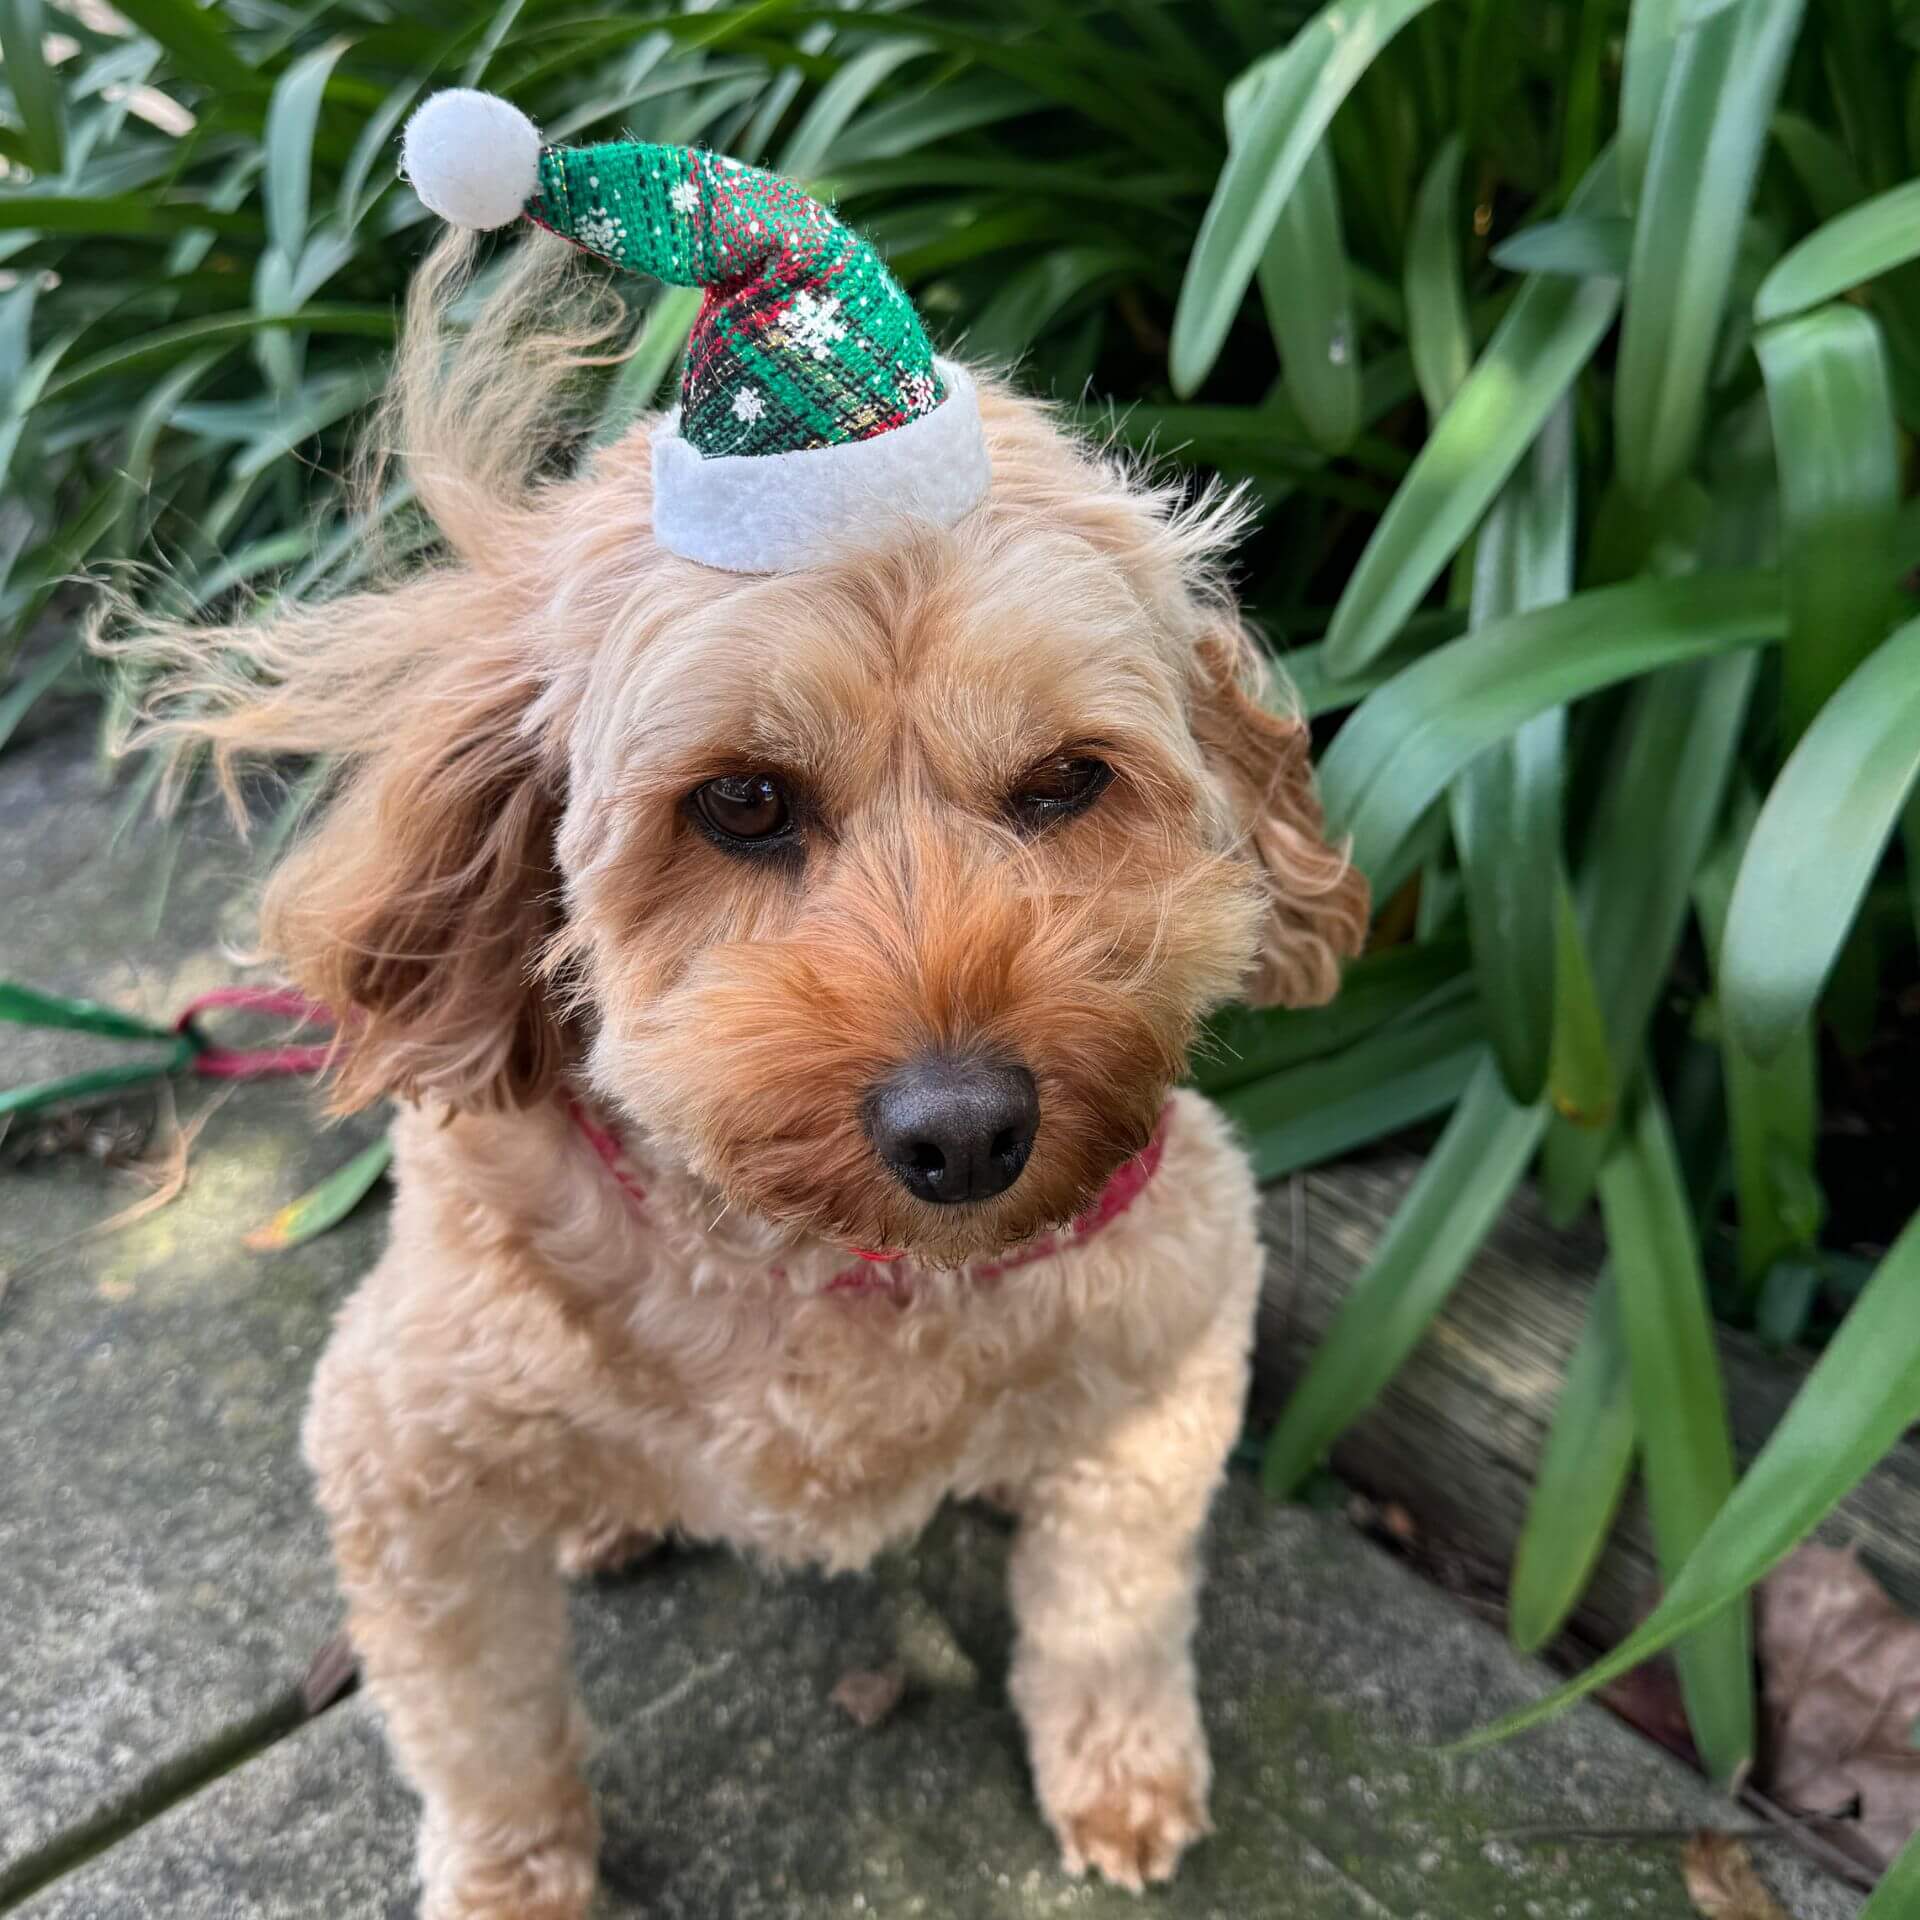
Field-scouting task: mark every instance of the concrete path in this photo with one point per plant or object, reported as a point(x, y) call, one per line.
point(163, 1584)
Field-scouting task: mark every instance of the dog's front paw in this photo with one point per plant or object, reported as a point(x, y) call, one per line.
point(550, 1883)
point(1135, 1830)
point(497, 1876)
point(1125, 1793)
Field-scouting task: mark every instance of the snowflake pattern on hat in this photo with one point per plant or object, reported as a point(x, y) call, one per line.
point(804, 340)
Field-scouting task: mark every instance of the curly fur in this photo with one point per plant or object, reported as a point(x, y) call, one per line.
point(505, 899)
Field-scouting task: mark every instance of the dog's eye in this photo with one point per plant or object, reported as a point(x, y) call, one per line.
point(1057, 788)
point(749, 807)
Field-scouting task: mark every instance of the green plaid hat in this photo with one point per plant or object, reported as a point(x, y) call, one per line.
point(813, 412)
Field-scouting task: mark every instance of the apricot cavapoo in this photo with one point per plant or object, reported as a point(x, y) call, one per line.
point(783, 955)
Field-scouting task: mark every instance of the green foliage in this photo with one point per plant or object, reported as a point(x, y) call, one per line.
point(1583, 1472)
point(1570, 349)
point(1860, 1398)
point(1679, 1413)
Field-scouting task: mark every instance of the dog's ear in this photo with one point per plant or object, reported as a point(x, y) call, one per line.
point(418, 910)
point(1261, 759)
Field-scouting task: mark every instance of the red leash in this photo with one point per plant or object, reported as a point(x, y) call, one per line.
point(255, 1063)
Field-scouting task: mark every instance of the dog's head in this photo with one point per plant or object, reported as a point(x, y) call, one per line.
point(886, 896)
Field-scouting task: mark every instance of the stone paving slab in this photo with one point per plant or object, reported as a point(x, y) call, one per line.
point(732, 1789)
point(162, 1577)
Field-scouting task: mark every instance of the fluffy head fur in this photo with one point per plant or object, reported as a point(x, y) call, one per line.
point(506, 886)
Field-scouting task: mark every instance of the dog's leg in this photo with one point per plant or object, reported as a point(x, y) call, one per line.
point(1104, 1580)
point(460, 1623)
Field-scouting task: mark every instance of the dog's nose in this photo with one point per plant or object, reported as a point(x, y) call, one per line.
point(952, 1129)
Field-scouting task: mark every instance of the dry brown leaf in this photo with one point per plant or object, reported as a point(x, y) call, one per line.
point(1647, 1698)
point(867, 1697)
point(1721, 1881)
point(1842, 1685)
point(332, 1674)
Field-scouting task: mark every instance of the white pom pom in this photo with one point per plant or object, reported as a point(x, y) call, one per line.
point(473, 158)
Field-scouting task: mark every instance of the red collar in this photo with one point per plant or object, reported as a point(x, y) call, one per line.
point(875, 1272)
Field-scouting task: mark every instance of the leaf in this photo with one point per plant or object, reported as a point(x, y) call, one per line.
point(1833, 430)
point(1244, 1044)
point(293, 117)
point(1842, 1669)
point(1548, 335)
point(1140, 115)
point(1822, 164)
point(373, 144)
point(1582, 1474)
point(1033, 298)
point(1719, 1873)
point(1580, 245)
point(919, 119)
point(1772, 1107)
point(1580, 1078)
point(1712, 127)
point(501, 24)
point(1586, 86)
point(1849, 250)
point(184, 337)
point(195, 39)
point(868, 1695)
point(86, 1086)
point(1506, 805)
point(1295, 93)
point(637, 385)
point(26, 1006)
point(1659, 805)
point(1405, 744)
point(321, 405)
point(138, 216)
point(1402, 1073)
point(37, 94)
point(1439, 334)
point(325, 1205)
point(1819, 838)
point(1680, 1412)
point(1788, 1294)
point(1318, 691)
point(771, 110)
point(1653, 32)
point(270, 555)
point(1448, 1211)
point(1898, 1894)
point(16, 333)
point(844, 94)
point(1862, 1395)
point(20, 698)
point(1307, 289)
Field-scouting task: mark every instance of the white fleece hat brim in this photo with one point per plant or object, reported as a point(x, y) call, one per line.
point(785, 512)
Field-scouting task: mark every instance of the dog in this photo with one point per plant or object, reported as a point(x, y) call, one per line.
point(712, 932)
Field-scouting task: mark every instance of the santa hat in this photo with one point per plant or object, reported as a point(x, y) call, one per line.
point(813, 412)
